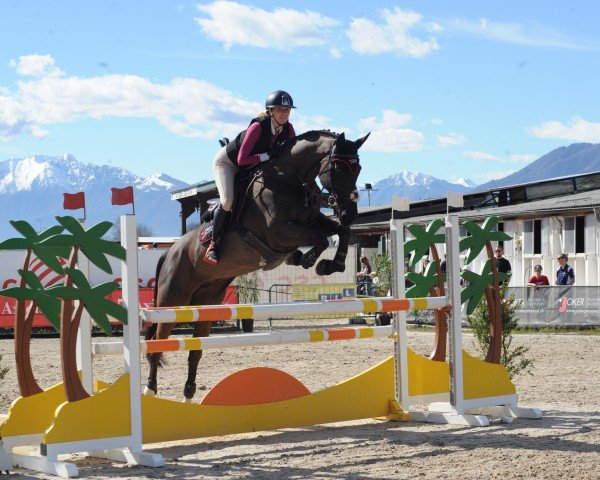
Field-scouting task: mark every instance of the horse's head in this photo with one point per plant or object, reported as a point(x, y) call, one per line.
point(339, 177)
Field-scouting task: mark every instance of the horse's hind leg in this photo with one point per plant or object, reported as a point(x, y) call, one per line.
point(201, 329)
point(212, 293)
point(156, 331)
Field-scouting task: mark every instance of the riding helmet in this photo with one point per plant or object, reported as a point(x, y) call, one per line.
point(279, 98)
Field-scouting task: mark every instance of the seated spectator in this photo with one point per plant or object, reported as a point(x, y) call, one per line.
point(538, 279)
point(365, 282)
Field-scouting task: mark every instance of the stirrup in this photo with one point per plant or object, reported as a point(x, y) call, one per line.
point(211, 257)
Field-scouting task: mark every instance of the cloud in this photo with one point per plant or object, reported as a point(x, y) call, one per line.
point(232, 23)
point(388, 136)
point(578, 130)
point(184, 106)
point(393, 34)
point(35, 66)
point(530, 34)
point(451, 140)
point(513, 158)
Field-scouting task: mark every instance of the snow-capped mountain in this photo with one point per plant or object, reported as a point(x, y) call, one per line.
point(414, 185)
point(32, 189)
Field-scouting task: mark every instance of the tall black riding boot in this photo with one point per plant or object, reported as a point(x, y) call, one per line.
point(219, 221)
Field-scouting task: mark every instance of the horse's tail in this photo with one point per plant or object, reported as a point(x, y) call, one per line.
point(150, 331)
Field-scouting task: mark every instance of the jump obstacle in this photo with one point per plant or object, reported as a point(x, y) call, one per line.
point(117, 419)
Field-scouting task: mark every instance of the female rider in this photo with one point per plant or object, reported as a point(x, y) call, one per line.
point(250, 147)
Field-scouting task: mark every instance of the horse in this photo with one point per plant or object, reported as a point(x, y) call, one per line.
point(279, 212)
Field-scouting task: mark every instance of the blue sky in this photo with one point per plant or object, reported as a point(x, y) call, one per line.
point(451, 89)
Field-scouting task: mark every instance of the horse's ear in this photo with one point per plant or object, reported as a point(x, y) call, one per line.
point(362, 140)
point(341, 138)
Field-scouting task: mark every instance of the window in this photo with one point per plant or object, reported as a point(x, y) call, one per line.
point(574, 234)
point(532, 237)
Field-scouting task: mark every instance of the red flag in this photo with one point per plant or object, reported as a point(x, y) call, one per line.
point(122, 196)
point(73, 201)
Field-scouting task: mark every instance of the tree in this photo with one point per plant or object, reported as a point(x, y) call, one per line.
point(513, 359)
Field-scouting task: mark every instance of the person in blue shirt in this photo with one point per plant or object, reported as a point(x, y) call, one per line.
point(565, 275)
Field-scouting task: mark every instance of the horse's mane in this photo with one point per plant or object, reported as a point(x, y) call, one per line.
point(286, 144)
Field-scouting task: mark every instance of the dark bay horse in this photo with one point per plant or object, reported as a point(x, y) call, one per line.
point(280, 212)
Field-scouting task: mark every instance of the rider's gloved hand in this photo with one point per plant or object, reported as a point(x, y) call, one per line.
point(264, 157)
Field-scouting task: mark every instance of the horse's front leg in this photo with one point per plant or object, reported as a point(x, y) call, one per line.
point(291, 235)
point(338, 263)
point(201, 329)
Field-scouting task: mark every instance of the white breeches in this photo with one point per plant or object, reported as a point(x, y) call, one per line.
point(224, 172)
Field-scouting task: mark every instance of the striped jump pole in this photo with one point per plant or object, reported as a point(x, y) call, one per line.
point(211, 313)
point(249, 340)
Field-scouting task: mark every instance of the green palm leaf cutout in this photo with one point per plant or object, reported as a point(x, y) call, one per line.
point(473, 292)
point(423, 240)
point(94, 299)
point(422, 283)
point(48, 304)
point(476, 242)
point(90, 242)
point(33, 241)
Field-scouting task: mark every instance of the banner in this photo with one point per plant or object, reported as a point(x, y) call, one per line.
point(558, 306)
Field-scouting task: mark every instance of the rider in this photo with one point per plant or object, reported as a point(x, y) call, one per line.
point(252, 146)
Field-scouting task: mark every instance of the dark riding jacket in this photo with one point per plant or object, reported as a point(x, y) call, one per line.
point(264, 142)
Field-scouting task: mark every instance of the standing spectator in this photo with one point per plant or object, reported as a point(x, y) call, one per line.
point(443, 264)
point(365, 282)
point(502, 264)
point(565, 275)
point(538, 279)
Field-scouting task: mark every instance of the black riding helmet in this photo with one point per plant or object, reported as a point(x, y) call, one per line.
point(279, 98)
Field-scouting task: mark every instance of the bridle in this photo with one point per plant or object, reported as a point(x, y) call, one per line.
point(352, 162)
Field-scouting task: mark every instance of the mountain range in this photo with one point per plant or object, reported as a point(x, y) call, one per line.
point(32, 188)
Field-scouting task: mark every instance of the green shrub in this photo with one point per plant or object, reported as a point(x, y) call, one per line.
point(382, 264)
point(513, 358)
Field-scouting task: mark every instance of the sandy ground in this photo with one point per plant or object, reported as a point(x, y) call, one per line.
point(564, 444)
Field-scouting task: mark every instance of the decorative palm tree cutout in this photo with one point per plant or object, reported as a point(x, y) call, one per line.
point(91, 244)
point(432, 282)
point(49, 246)
point(488, 283)
point(484, 284)
point(31, 243)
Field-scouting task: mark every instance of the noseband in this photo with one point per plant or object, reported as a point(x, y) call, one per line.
point(351, 161)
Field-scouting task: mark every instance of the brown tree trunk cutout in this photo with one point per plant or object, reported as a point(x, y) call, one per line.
point(69, 324)
point(441, 324)
point(493, 299)
point(23, 325)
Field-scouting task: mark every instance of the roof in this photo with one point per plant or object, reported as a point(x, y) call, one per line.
point(574, 194)
point(207, 186)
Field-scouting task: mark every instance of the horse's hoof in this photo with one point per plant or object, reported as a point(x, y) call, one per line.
point(149, 392)
point(324, 267)
point(308, 260)
point(295, 258)
point(187, 400)
point(189, 391)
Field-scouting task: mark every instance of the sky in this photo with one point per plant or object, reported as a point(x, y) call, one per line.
point(461, 89)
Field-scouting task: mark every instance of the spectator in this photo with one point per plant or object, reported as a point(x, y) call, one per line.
point(565, 275)
point(407, 282)
point(538, 279)
point(443, 264)
point(502, 264)
point(425, 264)
point(365, 282)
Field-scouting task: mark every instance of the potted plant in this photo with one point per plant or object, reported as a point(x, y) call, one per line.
point(247, 291)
